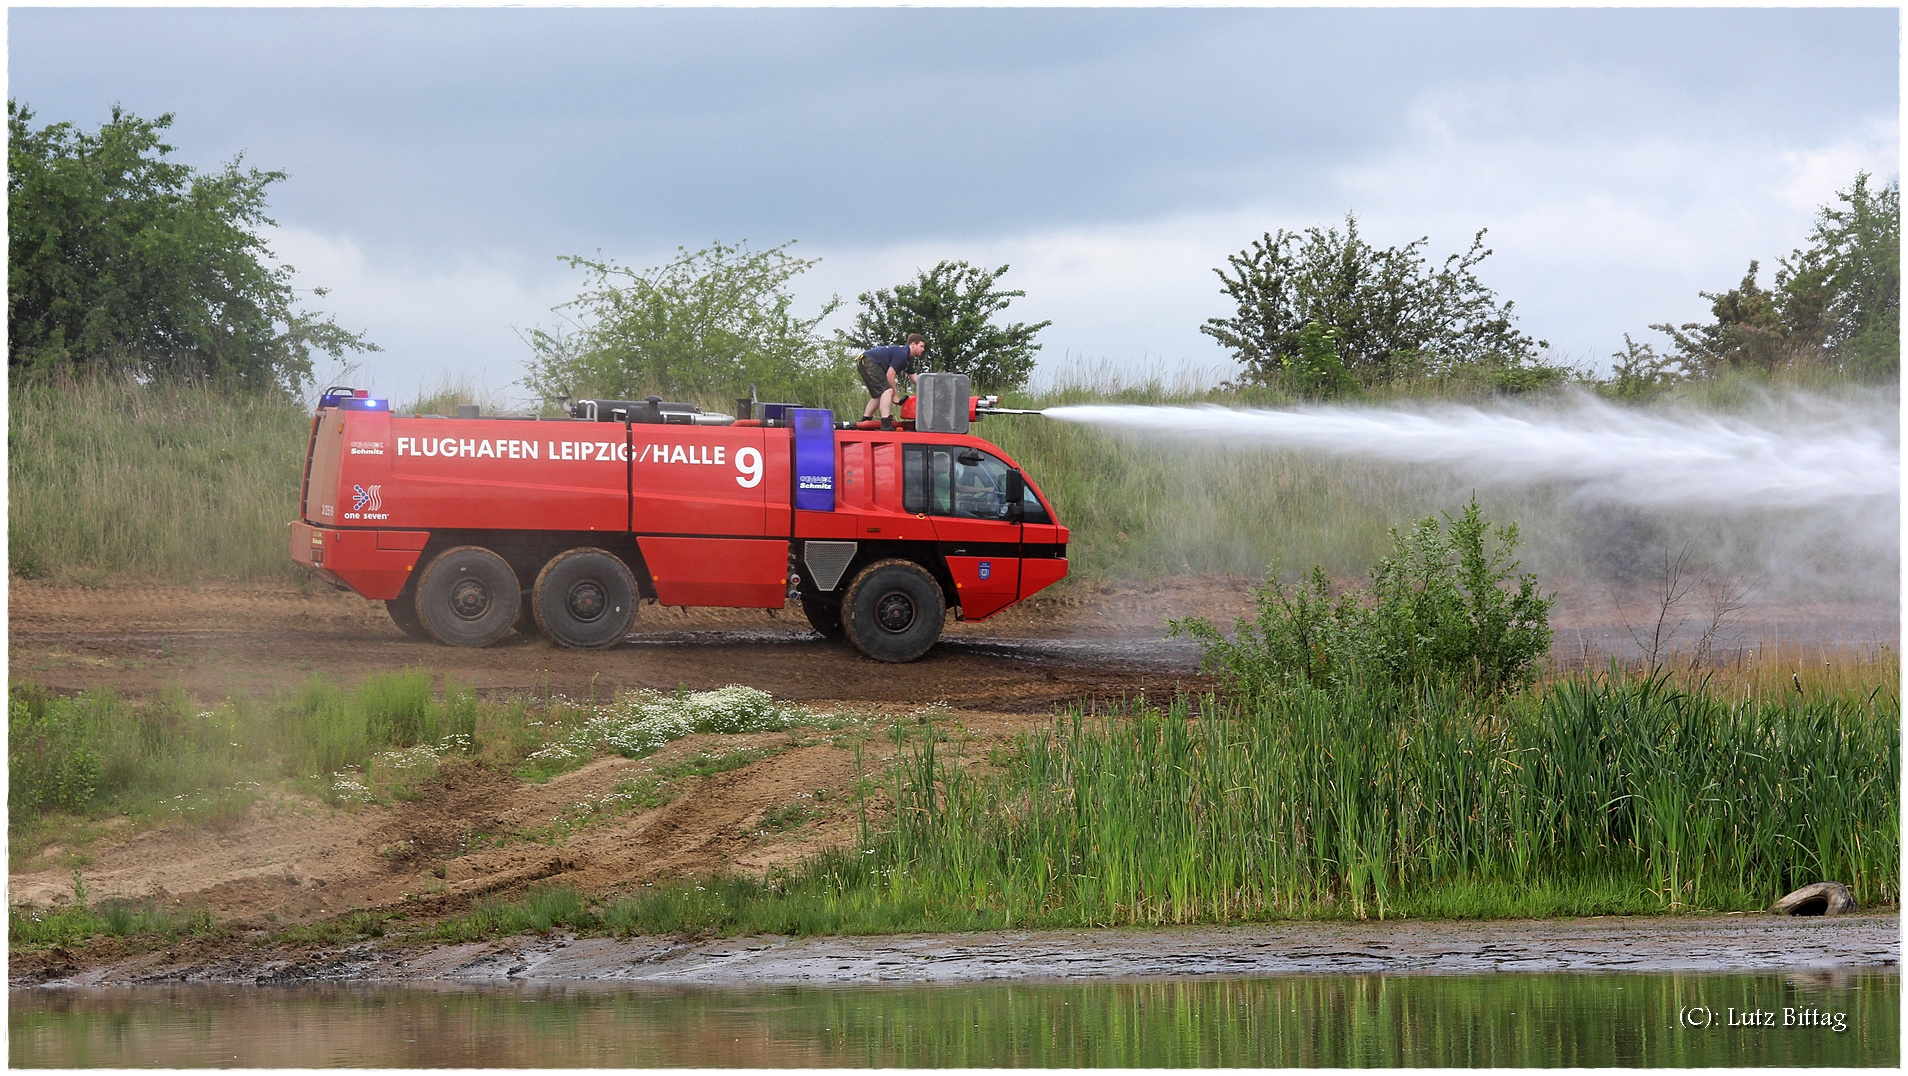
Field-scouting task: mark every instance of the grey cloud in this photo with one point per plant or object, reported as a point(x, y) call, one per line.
point(424, 132)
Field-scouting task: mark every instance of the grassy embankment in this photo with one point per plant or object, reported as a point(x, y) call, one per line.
point(80, 766)
point(1586, 795)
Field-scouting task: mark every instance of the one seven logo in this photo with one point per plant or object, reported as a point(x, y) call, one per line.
point(366, 500)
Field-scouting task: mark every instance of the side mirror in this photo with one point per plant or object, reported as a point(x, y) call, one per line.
point(1016, 495)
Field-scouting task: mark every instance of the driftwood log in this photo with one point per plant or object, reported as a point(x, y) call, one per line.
point(1822, 898)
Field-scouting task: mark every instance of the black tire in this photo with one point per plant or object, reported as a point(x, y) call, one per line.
point(468, 597)
point(403, 610)
point(585, 599)
point(824, 616)
point(893, 611)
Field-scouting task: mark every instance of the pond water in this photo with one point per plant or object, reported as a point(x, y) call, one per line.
point(1573, 1019)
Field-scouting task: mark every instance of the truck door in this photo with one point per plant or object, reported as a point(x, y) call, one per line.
point(964, 491)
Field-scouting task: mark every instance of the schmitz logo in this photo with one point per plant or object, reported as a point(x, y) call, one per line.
point(367, 448)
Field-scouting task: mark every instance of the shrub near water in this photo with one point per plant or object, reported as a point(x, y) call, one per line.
point(1435, 611)
point(1592, 796)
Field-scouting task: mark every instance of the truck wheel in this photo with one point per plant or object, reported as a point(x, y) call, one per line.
point(824, 616)
point(893, 611)
point(403, 610)
point(468, 597)
point(585, 599)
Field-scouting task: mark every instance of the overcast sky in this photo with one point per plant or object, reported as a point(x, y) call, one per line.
point(442, 160)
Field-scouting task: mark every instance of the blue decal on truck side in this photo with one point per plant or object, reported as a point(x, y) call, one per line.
point(814, 459)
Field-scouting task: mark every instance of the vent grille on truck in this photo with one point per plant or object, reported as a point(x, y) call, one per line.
point(826, 561)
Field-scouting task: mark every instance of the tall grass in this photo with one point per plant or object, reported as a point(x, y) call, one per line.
point(1594, 794)
point(157, 759)
point(165, 481)
point(113, 478)
point(1604, 794)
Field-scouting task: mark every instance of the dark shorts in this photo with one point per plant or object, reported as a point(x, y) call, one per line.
point(873, 376)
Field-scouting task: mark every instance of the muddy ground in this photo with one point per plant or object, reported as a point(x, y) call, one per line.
point(1736, 943)
point(475, 831)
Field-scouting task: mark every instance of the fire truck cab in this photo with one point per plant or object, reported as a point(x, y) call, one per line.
point(469, 527)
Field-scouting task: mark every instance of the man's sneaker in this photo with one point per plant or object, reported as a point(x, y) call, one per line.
point(887, 424)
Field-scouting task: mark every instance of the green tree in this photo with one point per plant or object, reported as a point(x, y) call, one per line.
point(119, 259)
point(952, 306)
point(1843, 291)
point(1748, 333)
point(702, 326)
point(1835, 302)
point(1393, 315)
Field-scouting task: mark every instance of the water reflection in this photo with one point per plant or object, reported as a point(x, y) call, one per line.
point(1569, 1019)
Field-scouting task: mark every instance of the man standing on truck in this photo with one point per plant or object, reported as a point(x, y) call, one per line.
point(881, 369)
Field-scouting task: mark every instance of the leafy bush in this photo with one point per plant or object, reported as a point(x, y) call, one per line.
point(1318, 371)
point(1434, 611)
point(702, 327)
point(1395, 316)
point(53, 760)
point(1836, 303)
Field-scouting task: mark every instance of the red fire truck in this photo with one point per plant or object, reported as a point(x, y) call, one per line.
point(468, 527)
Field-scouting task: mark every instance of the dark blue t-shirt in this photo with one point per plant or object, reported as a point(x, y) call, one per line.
point(893, 357)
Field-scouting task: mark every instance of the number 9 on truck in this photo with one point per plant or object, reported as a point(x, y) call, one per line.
point(749, 462)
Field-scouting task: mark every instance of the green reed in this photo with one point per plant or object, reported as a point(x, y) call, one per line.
point(1592, 795)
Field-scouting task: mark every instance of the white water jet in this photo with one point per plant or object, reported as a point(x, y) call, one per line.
point(1817, 455)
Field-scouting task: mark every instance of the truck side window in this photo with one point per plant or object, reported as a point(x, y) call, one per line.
point(952, 481)
point(927, 480)
point(1031, 510)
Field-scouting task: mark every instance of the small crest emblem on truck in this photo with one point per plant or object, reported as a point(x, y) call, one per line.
point(366, 498)
point(986, 568)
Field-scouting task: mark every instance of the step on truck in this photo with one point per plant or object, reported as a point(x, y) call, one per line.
point(469, 527)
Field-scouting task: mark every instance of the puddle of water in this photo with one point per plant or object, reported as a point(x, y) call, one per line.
point(1148, 654)
point(1341, 1021)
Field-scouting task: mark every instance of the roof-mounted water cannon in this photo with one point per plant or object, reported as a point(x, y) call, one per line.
point(990, 405)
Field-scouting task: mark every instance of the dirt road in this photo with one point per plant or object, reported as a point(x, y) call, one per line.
point(219, 639)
